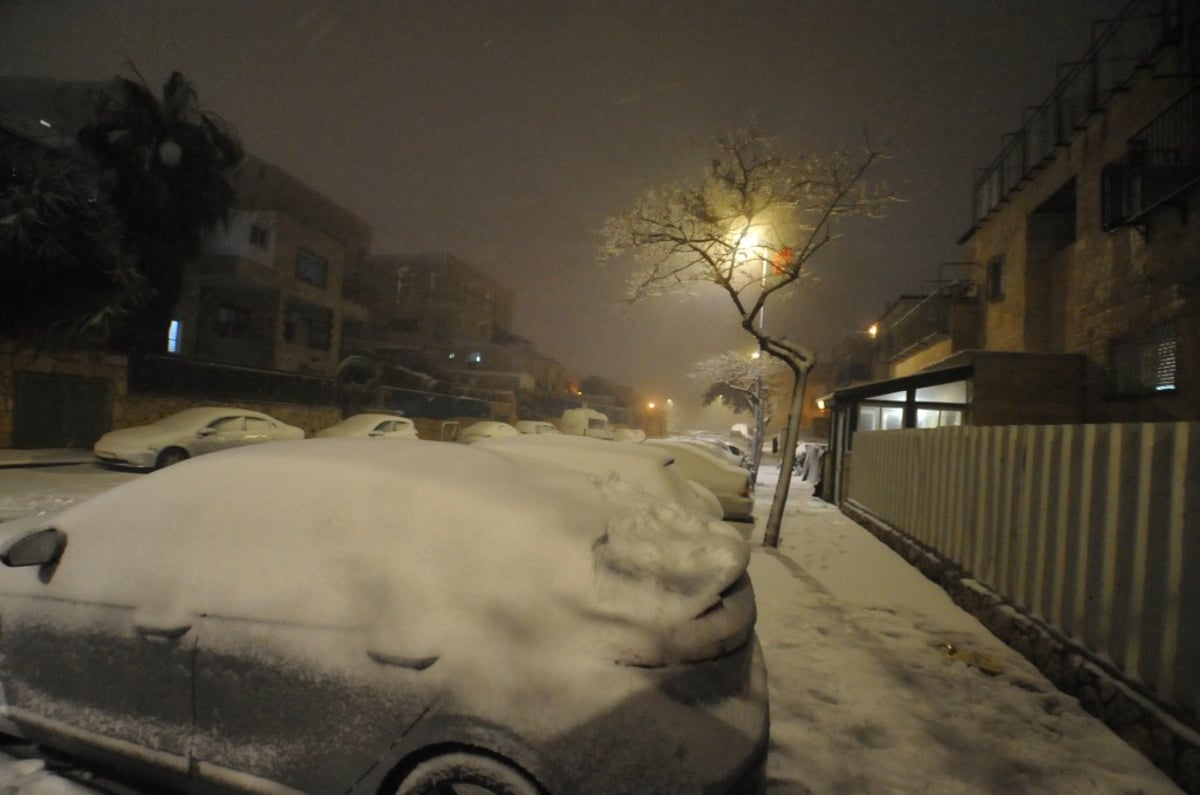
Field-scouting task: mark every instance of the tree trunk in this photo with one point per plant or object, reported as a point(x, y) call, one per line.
point(790, 436)
point(759, 427)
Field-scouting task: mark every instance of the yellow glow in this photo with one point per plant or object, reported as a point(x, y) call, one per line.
point(873, 331)
point(650, 405)
point(820, 404)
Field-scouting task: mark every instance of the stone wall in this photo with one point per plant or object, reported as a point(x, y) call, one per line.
point(1167, 738)
point(16, 358)
point(127, 409)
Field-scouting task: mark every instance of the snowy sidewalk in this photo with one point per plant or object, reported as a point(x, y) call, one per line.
point(864, 698)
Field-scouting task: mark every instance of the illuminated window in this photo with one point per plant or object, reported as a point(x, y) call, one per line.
point(173, 337)
point(1144, 363)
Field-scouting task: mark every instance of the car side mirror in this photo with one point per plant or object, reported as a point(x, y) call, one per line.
point(35, 548)
point(375, 433)
point(200, 434)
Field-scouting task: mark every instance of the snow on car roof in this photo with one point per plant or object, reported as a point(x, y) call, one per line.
point(365, 419)
point(428, 539)
point(192, 416)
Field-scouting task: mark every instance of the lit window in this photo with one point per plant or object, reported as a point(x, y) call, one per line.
point(173, 337)
point(1144, 363)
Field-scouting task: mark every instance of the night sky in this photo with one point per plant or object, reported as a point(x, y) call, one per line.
point(506, 132)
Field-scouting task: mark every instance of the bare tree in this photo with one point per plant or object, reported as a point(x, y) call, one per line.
point(741, 383)
point(750, 226)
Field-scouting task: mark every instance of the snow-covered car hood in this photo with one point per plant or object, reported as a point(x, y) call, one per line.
point(143, 436)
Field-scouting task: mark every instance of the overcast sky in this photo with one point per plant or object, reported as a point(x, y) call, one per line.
point(506, 132)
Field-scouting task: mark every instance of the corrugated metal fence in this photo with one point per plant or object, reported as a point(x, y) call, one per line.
point(1094, 529)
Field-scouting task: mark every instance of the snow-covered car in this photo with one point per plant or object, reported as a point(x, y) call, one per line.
point(187, 434)
point(536, 426)
point(373, 426)
point(629, 435)
point(726, 451)
point(731, 484)
point(485, 429)
point(653, 470)
point(326, 616)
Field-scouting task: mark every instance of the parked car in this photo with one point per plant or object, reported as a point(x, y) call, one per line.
point(586, 422)
point(326, 616)
point(730, 483)
point(722, 450)
point(536, 426)
point(187, 434)
point(485, 429)
point(653, 470)
point(629, 435)
point(377, 426)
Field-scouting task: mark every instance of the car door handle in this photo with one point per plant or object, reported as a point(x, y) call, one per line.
point(163, 631)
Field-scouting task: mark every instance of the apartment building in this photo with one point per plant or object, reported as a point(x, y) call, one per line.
point(268, 292)
point(1077, 298)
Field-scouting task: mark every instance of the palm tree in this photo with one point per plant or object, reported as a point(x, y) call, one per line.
point(63, 271)
point(165, 165)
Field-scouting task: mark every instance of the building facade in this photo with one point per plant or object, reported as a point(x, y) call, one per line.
point(268, 292)
point(1083, 238)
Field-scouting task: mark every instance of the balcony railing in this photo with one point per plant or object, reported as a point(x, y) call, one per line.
point(1163, 161)
point(1084, 87)
point(929, 320)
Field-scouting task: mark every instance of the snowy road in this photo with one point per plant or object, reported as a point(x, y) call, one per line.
point(863, 699)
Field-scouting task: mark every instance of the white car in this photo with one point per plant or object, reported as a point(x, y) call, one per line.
point(730, 483)
point(377, 426)
point(651, 470)
point(536, 426)
point(328, 616)
point(485, 429)
point(723, 450)
point(189, 433)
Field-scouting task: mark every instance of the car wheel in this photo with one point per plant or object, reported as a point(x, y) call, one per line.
point(465, 773)
point(172, 455)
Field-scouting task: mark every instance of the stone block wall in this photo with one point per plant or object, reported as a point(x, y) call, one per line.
point(16, 358)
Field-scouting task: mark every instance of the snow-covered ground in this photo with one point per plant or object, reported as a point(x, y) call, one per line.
point(864, 697)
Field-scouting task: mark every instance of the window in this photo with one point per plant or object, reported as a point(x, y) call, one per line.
point(231, 321)
point(309, 324)
point(311, 268)
point(995, 279)
point(259, 236)
point(1144, 363)
point(173, 334)
point(938, 418)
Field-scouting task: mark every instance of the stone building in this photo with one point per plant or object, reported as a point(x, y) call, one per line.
point(1082, 231)
point(268, 292)
point(1077, 299)
point(437, 314)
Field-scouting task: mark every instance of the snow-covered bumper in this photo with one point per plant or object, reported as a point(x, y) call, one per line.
point(125, 457)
